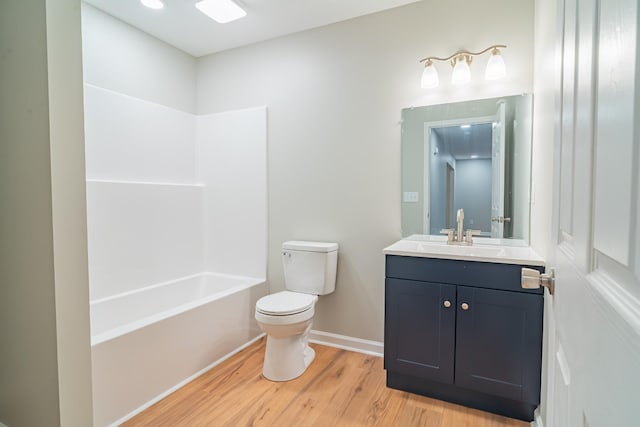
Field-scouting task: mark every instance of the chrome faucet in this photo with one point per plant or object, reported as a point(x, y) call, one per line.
point(458, 238)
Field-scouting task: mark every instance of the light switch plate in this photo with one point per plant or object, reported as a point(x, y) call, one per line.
point(410, 196)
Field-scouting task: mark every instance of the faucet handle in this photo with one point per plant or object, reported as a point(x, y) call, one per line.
point(449, 232)
point(469, 234)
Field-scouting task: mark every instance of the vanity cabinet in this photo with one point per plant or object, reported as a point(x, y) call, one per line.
point(464, 331)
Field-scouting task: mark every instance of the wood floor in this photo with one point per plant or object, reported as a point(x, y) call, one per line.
point(340, 388)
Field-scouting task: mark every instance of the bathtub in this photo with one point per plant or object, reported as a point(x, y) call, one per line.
point(149, 342)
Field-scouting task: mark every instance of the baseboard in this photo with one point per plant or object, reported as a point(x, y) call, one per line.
point(2, 425)
point(181, 383)
point(373, 348)
point(537, 422)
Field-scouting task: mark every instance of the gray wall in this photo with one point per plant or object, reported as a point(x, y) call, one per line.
point(334, 96)
point(473, 193)
point(44, 315)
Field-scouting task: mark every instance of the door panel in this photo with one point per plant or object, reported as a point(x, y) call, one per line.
point(498, 343)
point(616, 129)
point(423, 330)
point(568, 123)
point(498, 171)
point(593, 341)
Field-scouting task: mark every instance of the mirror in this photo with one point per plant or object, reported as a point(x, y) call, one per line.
point(474, 155)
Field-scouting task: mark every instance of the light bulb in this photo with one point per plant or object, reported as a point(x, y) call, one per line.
point(429, 76)
point(495, 67)
point(461, 74)
point(152, 4)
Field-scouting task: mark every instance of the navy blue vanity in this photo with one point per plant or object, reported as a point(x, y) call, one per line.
point(465, 332)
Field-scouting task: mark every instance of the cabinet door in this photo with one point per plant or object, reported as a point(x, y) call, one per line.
point(420, 329)
point(499, 343)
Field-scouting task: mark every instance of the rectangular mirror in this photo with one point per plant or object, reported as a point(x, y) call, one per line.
point(474, 155)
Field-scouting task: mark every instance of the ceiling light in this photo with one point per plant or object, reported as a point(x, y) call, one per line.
point(460, 62)
point(221, 11)
point(465, 126)
point(153, 4)
point(474, 156)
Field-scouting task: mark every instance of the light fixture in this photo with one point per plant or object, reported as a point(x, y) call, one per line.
point(221, 11)
point(465, 126)
point(460, 62)
point(429, 76)
point(461, 74)
point(152, 4)
point(495, 67)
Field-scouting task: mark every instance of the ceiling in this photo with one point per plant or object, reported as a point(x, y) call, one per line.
point(464, 143)
point(181, 25)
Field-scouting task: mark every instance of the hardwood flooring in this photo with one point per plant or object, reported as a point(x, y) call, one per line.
point(340, 388)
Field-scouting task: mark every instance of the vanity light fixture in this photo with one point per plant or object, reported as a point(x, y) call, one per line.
point(461, 74)
point(429, 76)
point(153, 4)
point(221, 11)
point(495, 67)
point(460, 62)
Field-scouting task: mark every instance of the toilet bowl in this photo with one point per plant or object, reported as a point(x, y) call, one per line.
point(286, 317)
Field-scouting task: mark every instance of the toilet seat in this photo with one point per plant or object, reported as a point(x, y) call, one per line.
point(285, 303)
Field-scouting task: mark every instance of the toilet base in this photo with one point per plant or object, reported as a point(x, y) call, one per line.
point(287, 358)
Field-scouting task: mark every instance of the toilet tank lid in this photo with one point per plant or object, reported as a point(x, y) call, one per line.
point(296, 245)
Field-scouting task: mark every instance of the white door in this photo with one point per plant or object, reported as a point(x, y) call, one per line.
point(497, 171)
point(593, 321)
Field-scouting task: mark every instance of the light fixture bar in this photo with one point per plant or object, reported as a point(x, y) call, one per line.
point(460, 61)
point(463, 53)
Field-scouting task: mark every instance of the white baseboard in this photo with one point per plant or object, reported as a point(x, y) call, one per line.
point(181, 383)
point(537, 421)
point(373, 348)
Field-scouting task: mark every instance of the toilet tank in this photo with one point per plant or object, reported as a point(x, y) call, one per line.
point(310, 267)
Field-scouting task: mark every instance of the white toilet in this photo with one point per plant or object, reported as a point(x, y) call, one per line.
point(309, 271)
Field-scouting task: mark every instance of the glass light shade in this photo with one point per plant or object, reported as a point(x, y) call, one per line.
point(495, 67)
point(152, 4)
point(429, 77)
point(461, 74)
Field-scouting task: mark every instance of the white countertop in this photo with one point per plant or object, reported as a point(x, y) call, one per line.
point(483, 250)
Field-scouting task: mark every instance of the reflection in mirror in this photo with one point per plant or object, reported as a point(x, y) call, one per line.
point(474, 155)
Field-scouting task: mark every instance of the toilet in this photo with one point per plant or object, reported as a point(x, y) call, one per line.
point(309, 271)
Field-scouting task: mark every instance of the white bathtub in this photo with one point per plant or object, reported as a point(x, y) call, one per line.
point(148, 342)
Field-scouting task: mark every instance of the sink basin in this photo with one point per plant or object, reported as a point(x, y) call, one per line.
point(438, 248)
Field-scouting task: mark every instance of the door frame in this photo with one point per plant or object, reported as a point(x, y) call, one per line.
point(428, 126)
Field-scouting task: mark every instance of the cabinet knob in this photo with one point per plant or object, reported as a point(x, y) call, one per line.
point(464, 306)
point(447, 303)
